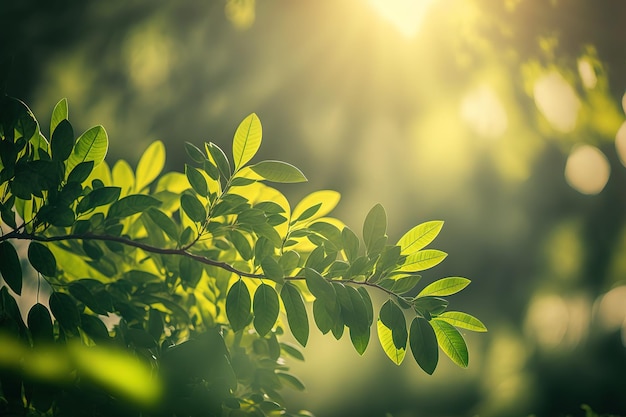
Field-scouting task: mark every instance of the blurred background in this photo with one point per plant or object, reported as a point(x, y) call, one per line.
point(505, 119)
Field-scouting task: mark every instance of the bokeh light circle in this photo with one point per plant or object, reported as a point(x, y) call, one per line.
point(587, 169)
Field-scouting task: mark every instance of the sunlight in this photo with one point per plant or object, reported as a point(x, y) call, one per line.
point(406, 15)
point(587, 169)
point(557, 101)
point(483, 111)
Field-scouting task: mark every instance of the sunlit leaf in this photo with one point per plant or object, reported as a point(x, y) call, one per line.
point(422, 260)
point(374, 226)
point(296, 312)
point(238, 305)
point(10, 267)
point(327, 198)
point(385, 337)
point(42, 259)
point(423, 344)
point(445, 286)
point(278, 171)
point(265, 307)
point(90, 146)
point(59, 113)
point(150, 165)
point(420, 236)
point(451, 342)
point(247, 140)
point(462, 320)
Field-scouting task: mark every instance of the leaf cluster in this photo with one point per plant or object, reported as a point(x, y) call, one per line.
point(197, 274)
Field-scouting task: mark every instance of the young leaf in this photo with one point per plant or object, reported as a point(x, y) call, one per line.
point(40, 323)
point(451, 342)
point(265, 307)
point(238, 305)
point(196, 180)
point(296, 312)
point(374, 226)
point(445, 286)
point(59, 113)
point(424, 344)
point(132, 204)
point(385, 337)
point(247, 140)
point(10, 267)
point(150, 165)
point(419, 237)
point(62, 141)
point(278, 171)
point(193, 207)
point(90, 146)
point(42, 259)
point(462, 320)
point(422, 260)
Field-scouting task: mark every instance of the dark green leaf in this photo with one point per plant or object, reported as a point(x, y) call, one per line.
point(289, 261)
point(424, 344)
point(211, 169)
point(94, 328)
point(296, 312)
point(308, 213)
point(132, 204)
point(393, 318)
point(328, 231)
point(220, 159)
point(196, 180)
point(193, 207)
point(251, 217)
point(164, 221)
point(278, 171)
point(360, 338)
point(10, 267)
point(272, 269)
point(42, 259)
point(65, 311)
point(405, 284)
point(374, 226)
point(194, 153)
point(324, 315)
point(241, 243)
point(350, 243)
point(266, 307)
point(320, 287)
point(155, 323)
point(83, 294)
point(432, 306)
point(60, 216)
point(190, 271)
point(238, 305)
point(62, 141)
point(40, 324)
point(98, 197)
point(368, 304)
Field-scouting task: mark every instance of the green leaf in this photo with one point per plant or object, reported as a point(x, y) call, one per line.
point(98, 197)
point(164, 221)
point(247, 140)
point(272, 269)
point(359, 319)
point(291, 380)
point(392, 317)
point(62, 141)
point(90, 146)
point(278, 171)
point(320, 287)
point(94, 328)
point(405, 283)
point(422, 260)
point(65, 311)
point(238, 305)
point(42, 259)
point(424, 344)
point(326, 315)
point(265, 307)
point(81, 292)
point(374, 226)
point(308, 213)
point(220, 159)
point(80, 172)
point(289, 261)
point(462, 320)
point(451, 342)
point(196, 180)
point(194, 153)
point(385, 337)
point(193, 207)
point(296, 312)
point(190, 271)
point(132, 204)
point(350, 243)
point(368, 304)
point(430, 306)
point(420, 236)
point(241, 243)
point(360, 338)
point(292, 351)
point(445, 286)
point(59, 113)
point(40, 324)
point(10, 267)
point(150, 165)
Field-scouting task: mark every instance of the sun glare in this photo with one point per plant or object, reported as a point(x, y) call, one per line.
point(405, 15)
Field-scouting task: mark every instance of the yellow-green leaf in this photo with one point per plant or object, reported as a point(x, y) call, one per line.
point(422, 260)
point(463, 320)
point(247, 140)
point(451, 342)
point(419, 237)
point(444, 286)
point(385, 337)
point(90, 146)
point(150, 165)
